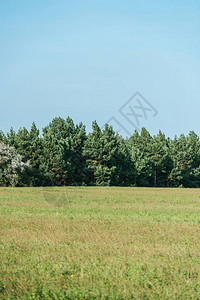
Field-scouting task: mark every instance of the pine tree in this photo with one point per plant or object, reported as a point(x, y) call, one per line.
point(161, 160)
point(2, 137)
point(185, 151)
point(140, 151)
point(10, 137)
point(62, 161)
point(93, 153)
point(108, 157)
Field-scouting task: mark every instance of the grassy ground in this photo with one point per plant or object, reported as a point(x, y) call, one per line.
point(99, 243)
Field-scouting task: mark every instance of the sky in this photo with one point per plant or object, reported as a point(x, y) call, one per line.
point(128, 63)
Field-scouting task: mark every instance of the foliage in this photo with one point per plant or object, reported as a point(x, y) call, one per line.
point(64, 154)
point(11, 165)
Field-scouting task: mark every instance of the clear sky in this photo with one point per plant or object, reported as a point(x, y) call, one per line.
point(86, 58)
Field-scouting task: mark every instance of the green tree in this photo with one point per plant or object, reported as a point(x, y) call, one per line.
point(108, 157)
point(62, 161)
point(161, 159)
point(185, 151)
point(140, 151)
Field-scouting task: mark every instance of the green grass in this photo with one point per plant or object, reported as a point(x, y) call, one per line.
point(99, 243)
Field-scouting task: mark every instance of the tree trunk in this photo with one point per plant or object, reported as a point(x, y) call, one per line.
point(155, 176)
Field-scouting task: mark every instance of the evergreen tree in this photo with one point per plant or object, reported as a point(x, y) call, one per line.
point(66, 155)
point(186, 156)
point(140, 150)
point(2, 137)
point(161, 160)
point(62, 161)
point(93, 153)
point(108, 157)
point(10, 138)
point(125, 172)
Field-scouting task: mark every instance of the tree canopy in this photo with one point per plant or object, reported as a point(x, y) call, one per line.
point(64, 154)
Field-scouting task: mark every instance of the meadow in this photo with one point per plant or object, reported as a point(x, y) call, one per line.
point(99, 243)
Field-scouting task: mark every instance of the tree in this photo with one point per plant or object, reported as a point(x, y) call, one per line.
point(12, 166)
point(62, 162)
point(93, 153)
point(28, 145)
point(185, 151)
point(125, 171)
point(2, 137)
point(161, 159)
point(65, 155)
point(108, 157)
point(10, 138)
point(140, 151)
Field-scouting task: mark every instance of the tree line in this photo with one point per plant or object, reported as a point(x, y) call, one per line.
point(64, 154)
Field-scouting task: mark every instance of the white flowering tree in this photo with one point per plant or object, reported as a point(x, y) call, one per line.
point(11, 165)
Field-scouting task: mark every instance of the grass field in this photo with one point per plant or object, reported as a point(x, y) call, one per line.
point(99, 243)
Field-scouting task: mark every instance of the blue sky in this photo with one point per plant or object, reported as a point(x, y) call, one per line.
point(85, 59)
